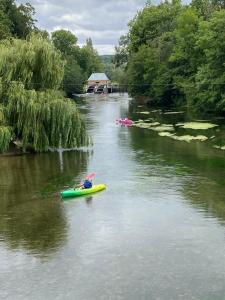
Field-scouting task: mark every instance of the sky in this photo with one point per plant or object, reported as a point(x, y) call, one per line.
point(104, 21)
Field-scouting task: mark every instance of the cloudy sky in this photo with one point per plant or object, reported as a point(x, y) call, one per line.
point(102, 20)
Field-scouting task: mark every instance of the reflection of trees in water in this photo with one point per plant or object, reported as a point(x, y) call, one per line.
point(195, 155)
point(39, 226)
point(205, 168)
point(206, 196)
point(31, 213)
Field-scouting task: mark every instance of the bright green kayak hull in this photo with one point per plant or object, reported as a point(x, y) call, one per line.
point(80, 192)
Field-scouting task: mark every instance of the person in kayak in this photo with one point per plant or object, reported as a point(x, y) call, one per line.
point(87, 184)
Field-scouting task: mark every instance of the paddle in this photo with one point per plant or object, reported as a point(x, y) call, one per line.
point(89, 177)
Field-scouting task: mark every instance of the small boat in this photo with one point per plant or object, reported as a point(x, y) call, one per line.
point(80, 192)
point(125, 122)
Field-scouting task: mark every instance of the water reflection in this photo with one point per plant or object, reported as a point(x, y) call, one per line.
point(31, 214)
point(199, 170)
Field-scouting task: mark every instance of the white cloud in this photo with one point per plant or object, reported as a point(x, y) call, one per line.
point(102, 21)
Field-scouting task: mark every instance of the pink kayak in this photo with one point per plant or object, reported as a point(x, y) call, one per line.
point(125, 122)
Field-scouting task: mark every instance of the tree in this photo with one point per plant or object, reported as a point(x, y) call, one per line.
point(5, 26)
point(210, 78)
point(20, 19)
point(23, 22)
point(121, 56)
point(185, 58)
point(152, 22)
point(34, 110)
point(150, 43)
point(64, 41)
point(73, 80)
point(89, 60)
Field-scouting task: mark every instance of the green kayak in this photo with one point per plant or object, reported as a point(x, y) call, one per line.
point(80, 192)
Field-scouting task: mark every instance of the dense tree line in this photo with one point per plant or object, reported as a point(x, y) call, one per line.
point(36, 73)
point(80, 62)
point(175, 54)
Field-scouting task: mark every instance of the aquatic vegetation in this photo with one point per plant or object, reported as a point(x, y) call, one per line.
point(173, 112)
point(189, 138)
point(142, 125)
point(163, 128)
point(184, 138)
point(166, 133)
point(196, 125)
point(219, 147)
point(156, 111)
point(145, 125)
point(138, 121)
point(144, 112)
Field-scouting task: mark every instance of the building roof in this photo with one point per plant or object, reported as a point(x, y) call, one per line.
point(98, 77)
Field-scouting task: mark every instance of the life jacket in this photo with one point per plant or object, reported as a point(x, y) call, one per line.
point(87, 184)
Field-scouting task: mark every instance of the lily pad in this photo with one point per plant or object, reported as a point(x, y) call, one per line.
point(146, 125)
point(166, 133)
point(156, 111)
point(184, 138)
point(218, 147)
point(141, 125)
point(196, 125)
point(162, 128)
point(173, 112)
point(189, 138)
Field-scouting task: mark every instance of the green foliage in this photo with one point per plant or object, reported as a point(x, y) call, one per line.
point(5, 26)
point(23, 21)
point(142, 70)
point(90, 62)
point(151, 23)
point(151, 40)
point(175, 53)
point(64, 41)
point(33, 111)
point(73, 80)
point(210, 77)
point(5, 137)
point(44, 119)
point(121, 56)
point(16, 20)
point(35, 63)
point(80, 62)
point(185, 57)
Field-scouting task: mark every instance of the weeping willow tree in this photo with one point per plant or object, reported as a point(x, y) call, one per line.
point(33, 110)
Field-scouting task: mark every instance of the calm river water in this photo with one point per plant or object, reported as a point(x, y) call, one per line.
point(157, 232)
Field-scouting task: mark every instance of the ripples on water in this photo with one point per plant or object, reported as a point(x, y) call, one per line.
point(157, 232)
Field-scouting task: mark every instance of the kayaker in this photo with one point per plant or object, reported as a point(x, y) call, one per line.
point(87, 184)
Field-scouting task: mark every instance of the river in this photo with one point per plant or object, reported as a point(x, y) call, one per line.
point(157, 232)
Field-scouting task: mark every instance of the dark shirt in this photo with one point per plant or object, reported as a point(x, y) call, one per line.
point(87, 184)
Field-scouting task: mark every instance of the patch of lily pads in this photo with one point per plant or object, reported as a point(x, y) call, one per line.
point(196, 125)
point(184, 138)
point(167, 130)
point(163, 128)
point(219, 147)
point(142, 124)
